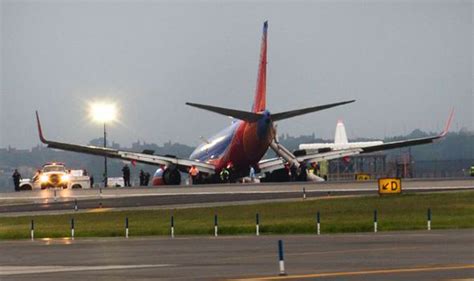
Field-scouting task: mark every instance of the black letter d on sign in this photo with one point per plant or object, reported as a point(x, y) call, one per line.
point(394, 185)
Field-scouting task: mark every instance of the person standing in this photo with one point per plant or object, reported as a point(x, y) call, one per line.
point(293, 170)
point(16, 179)
point(252, 174)
point(126, 175)
point(224, 174)
point(142, 178)
point(147, 179)
point(193, 174)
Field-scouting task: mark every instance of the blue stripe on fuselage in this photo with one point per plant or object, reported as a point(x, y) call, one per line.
point(216, 145)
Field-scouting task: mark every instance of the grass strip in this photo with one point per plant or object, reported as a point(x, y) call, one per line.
point(338, 215)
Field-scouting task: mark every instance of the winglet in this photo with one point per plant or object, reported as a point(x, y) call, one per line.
point(448, 124)
point(40, 131)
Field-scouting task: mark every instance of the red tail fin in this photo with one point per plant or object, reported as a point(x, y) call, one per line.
point(259, 103)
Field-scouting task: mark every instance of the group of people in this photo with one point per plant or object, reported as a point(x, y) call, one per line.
point(143, 176)
point(225, 175)
point(300, 173)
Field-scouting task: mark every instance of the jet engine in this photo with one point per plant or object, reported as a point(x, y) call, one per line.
point(166, 176)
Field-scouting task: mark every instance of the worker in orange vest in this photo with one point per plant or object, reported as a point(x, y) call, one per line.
point(193, 174)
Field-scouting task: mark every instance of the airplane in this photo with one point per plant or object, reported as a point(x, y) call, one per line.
point(341, 142)
point(241, 145)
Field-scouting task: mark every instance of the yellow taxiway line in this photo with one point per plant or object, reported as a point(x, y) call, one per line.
point(363, 272)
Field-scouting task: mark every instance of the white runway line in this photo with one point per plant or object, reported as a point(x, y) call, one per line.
point(17, 270)
point(234, 192)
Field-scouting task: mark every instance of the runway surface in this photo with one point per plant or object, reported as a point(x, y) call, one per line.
point(421, 255)
point(64, 200)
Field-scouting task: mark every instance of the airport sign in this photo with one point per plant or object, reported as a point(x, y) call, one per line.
point(390, 185)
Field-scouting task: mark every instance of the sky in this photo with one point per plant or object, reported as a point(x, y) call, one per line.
point(406, 63)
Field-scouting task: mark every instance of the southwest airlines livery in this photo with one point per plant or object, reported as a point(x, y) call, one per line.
point(241, 145)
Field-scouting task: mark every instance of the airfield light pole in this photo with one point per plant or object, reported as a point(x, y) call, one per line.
point(105, 157)
point(104, 112)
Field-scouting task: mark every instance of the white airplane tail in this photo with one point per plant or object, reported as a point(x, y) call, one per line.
point(340, 136)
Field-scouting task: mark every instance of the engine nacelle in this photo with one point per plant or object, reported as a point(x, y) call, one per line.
point(166, 176)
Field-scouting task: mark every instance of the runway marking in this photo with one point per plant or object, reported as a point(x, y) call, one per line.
point(363, 272)
point(232, 192)
point(17, 270)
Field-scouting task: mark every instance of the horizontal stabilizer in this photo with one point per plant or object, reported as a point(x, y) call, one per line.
point(293, 113)
point(238, 114)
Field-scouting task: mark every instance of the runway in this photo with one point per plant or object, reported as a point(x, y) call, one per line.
point(64, 200)
point(421, 255)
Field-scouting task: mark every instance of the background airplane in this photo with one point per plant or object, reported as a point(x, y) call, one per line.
point(341, 142)
point(241, 145)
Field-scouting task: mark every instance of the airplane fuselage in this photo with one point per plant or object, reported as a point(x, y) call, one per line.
point(243, 144)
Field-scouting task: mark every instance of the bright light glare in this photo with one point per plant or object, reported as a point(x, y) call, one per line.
point(103, 112)
point(44, 178)
point(64, 178)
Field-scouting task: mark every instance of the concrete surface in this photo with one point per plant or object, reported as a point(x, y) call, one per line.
point(421, 255)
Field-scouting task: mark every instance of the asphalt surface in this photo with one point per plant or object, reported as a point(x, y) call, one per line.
point(64, 200)
point(421, 255)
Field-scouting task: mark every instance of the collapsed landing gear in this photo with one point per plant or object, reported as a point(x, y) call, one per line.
point(171, 176)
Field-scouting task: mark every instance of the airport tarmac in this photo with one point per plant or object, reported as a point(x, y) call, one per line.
point(144, 197)
point(414, 255)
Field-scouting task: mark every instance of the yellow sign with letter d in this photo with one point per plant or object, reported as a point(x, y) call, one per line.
point(390, 186)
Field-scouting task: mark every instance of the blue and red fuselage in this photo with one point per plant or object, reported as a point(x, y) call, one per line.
point(242, 144)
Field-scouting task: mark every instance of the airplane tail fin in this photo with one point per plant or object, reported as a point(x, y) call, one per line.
point(259, 102)
point(340, 137)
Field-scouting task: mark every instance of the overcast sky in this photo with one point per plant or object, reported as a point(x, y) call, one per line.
point(405, 62)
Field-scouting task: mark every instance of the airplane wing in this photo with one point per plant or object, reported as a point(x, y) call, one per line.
point(272, 164)
point(182, 164)
point(269, 165)
point(401, 143)
point(410, 142)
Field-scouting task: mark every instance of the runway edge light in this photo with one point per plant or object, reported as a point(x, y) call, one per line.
point(375, 221)
point(257, 224)
point(32, 231)
point(281, 258)
point(215, 225)
point(72, 228)
point(318, 223)
point(126, 227)
point(428, 226)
